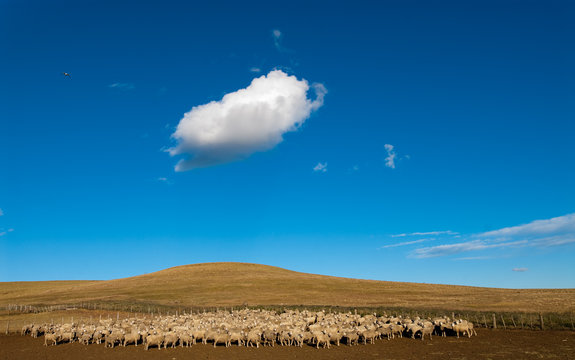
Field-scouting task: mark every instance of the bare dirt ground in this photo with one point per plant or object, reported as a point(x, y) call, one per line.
point(489, 344)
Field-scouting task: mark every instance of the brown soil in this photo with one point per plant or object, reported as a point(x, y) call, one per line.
point(489, 344)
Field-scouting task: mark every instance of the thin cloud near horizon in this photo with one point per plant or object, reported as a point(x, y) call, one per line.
point(444, 232)
point(538, 234)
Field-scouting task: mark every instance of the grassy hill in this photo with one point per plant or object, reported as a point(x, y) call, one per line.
point(236, 284)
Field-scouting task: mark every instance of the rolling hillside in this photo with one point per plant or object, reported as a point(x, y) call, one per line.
point(235, 284)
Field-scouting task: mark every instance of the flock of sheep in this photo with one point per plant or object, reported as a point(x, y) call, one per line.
point(249, 328)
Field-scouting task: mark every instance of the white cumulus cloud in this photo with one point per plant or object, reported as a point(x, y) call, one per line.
point(245, 121)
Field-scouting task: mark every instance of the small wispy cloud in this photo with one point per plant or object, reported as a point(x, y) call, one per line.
point(2, 233)
point(474, 258)
point(122, 86)
point(320, 167)
point(164, 180)
point(391, 155)
point(406, 243)
point(445, 232)
point(278, 40)
point(255, 69)
point(450, 249)
point(523, 269)
point(557, 225)
point(277, 35)
point(546, 233)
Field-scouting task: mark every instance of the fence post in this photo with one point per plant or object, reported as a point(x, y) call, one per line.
point(494, 322)
point(7, 326)
point(484, 321)
point(513, 320)
point(503, 321)
point(541, 320)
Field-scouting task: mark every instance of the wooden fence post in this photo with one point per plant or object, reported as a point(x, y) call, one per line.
point(484, 321)
point(513, 320)
point(7, 326)
point(503, 321)
point(541, 320)
point(494, 322)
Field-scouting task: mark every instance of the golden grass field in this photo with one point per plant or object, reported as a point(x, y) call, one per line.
point(237, 284)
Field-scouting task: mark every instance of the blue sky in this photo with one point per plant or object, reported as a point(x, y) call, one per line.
point(404, 141)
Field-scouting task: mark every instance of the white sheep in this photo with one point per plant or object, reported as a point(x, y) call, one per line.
point(154, 340)
point(51, 338)
point(132, 338)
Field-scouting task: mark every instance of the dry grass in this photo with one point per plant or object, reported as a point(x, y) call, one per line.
point(236, 284)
